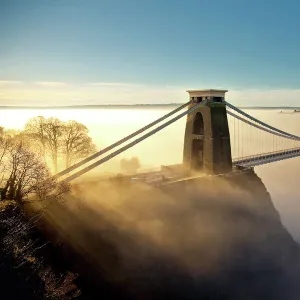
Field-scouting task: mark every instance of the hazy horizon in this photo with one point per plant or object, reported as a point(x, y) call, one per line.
point(130, 105)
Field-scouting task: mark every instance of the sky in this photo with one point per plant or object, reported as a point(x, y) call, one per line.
point(62, 52)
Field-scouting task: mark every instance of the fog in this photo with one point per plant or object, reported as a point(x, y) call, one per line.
point(209, 240)
point(166, 147)
point(214, 238)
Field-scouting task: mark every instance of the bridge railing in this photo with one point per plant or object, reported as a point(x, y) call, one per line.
point(267, 156)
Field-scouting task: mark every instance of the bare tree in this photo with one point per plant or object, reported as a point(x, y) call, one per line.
point(130, 165)
point(35, 130)
point(54, 132)
point(55, 138)
point(12, 133)
point(45, 137)
point(27, 174)
point(5, 144)
point(76, 143)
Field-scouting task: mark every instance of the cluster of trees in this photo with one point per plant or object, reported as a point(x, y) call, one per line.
point(23, 156)
point(54, 139)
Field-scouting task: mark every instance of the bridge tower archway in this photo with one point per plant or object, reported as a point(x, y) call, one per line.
point(207, 139)
point(198, 126)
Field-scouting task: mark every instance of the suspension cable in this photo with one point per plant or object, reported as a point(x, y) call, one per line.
point(118, 143)
point(261, 123)
point(133, 143)
point(260, 127)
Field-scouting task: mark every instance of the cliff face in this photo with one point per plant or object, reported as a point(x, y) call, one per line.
point(208, 238)
point(257, 258)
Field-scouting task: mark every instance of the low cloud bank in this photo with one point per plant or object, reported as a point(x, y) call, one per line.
point(63, 93)
point(211, 240)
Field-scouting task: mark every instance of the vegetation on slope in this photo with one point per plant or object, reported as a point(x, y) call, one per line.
point(28, 269)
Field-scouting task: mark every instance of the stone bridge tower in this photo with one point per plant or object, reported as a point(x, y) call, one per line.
point(207, 140)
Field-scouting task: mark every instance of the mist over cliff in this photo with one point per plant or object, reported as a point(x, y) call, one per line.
point(214, 238)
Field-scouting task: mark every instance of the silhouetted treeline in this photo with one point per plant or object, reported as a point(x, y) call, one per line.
point(24, 172)
point(24, 155)
point(54, 138)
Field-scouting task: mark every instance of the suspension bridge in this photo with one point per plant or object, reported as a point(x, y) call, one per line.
point(219, 139)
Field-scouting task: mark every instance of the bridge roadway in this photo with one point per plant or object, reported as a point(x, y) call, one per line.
point(260, 159)
point(176, 173)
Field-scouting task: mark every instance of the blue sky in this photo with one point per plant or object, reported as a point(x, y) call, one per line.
point(59, 46)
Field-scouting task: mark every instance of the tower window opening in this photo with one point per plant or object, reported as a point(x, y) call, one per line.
point(218, 99)
point(198, 126)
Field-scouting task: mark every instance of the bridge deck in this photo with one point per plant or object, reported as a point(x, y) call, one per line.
point(176, 173)
point(260, 159)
